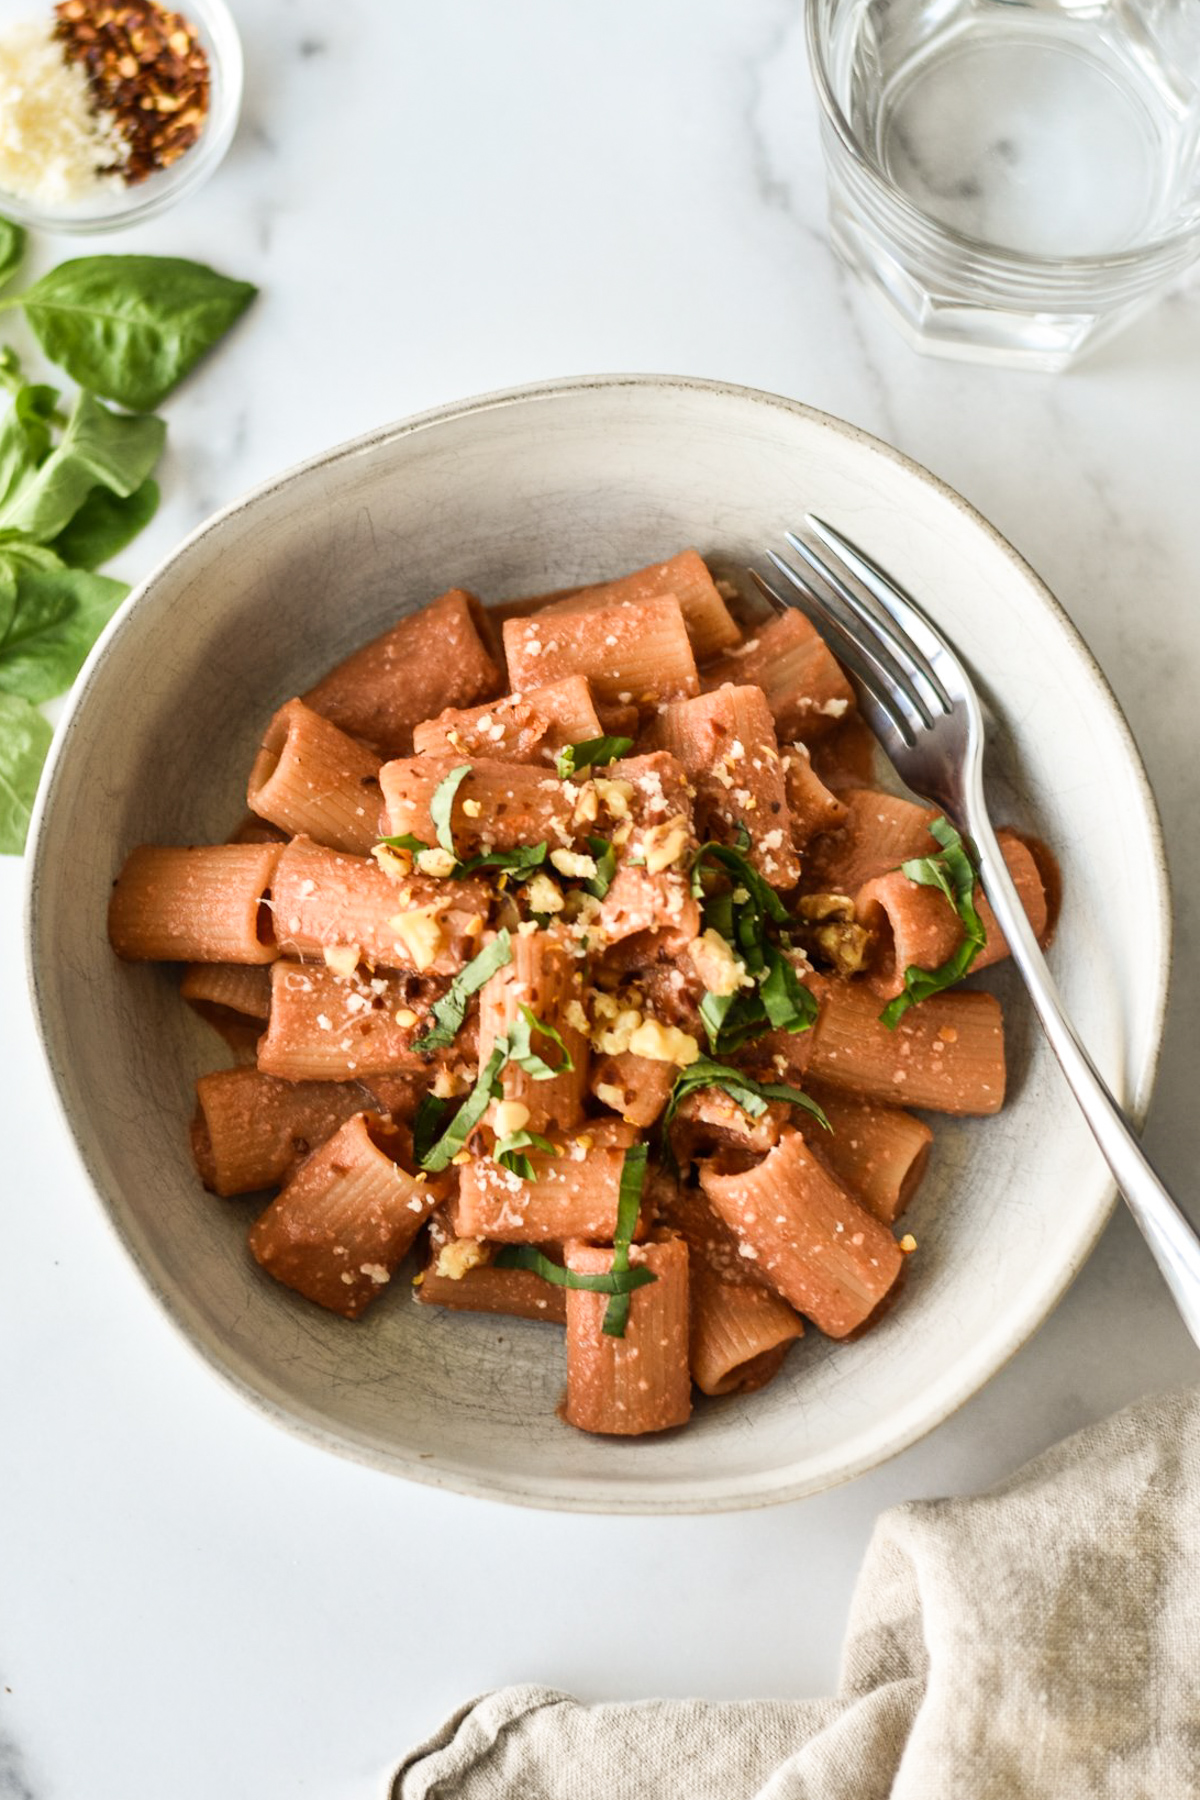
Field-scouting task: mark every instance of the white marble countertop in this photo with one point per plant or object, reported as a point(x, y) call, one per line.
point(439, 200)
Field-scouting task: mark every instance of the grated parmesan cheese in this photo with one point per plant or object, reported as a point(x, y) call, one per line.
point(54, 147)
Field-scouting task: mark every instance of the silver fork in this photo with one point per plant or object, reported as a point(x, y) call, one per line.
point(923, 707)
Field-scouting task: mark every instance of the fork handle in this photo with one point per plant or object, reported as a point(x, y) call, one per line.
point(1173, 1239)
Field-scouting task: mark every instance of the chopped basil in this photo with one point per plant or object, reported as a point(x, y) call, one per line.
point(427, 1125)
point(752, 1096)
point(521, 1051)
point(441, 805)
point(525, 1256)
point(593, 753)
point(953, 872)
point(406, 841)
point(629, 1204)
point(508, 1152)
point(605, 857)
point(781, 1002)
point(451, 1009)
point(760, 895)
point(519, 862)
point(789, 1005)
point(454, 1138)
point(743, 914)
point(515, 1046)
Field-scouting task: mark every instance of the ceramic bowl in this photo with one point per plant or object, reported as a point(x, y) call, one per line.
point(542, 488)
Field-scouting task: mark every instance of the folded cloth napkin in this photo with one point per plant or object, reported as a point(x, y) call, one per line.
point(1040, 1640)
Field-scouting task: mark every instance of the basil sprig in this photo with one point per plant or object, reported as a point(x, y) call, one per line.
point(629, 1204)
point(527, 1256)
point(76, 484)
point(743, 914)
point(591, 753)
point(451, 1009)
point(752, 1096)
point(953, 872)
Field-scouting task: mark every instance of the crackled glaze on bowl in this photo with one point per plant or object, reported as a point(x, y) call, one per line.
point(542, 488)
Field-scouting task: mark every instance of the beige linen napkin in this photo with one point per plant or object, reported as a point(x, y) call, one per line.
point(1042, 1640)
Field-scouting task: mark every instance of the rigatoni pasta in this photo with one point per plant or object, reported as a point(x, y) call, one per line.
point(612, 986)
point(311, 779)
point(205, 903)
point(345, 1220)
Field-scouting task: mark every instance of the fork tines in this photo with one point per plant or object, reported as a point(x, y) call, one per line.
point(879, 631)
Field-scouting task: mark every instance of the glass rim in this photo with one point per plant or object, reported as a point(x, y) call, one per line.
point(995, 258)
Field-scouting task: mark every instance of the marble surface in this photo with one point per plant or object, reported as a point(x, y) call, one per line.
point(439, 201)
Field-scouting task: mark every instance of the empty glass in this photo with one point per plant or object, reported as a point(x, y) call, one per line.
point(1016, 178)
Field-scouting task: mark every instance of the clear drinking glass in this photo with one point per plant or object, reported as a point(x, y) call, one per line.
point(1015, 178)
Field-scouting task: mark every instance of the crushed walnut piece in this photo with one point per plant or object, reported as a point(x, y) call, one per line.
point(834, 932)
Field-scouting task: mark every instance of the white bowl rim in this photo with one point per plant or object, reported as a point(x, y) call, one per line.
point(509, 1489)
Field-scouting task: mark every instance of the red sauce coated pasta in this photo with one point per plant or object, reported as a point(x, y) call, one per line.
point(571, 976)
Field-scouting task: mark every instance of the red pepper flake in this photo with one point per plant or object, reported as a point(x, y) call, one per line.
point(147, 68)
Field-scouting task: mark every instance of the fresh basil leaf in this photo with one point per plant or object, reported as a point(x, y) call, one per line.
point(519, 862)
point(521, 1051)
point(406, 841)
point(26, 436)
point(24, 740)
point(518, 1164)
point(629, 1204)
point(20, 552)
point(508, 1152)
point(441, 805)
point(526, 1256)
point(629, 1193)
point(592, 753)
point(131, 327)
point(783, 1090)
point(12, 249)
point(605, 857)
point(451, 1009)
point(58, 616)
point(953, 872)
point(788, 1004)
point(714, 1011)
point(427, 1125)
point(104, 524)
point(742, 873)
point(742, 913)
point(455, 1136)
point(98, 449)
point(752, 1096)
point(705, 1073)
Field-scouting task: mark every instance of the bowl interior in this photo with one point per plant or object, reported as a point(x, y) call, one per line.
point(510, 495)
